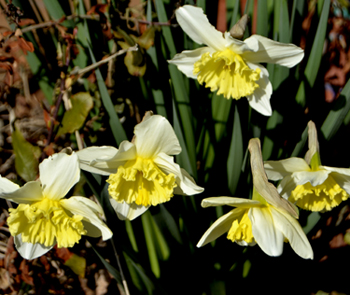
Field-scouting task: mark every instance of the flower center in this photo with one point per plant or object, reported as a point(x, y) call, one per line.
point(226, 72)
point(142, 182)
point(241, 229)
point(45, 222)
point(318, 198)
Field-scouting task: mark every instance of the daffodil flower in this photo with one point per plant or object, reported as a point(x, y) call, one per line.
point(228, 65)
point(267, 220)
point(43, 218)
point(142, 172)
point(306, 182)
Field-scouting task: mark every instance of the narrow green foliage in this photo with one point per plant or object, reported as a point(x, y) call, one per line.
point(138, 276)
point(152, 253)
point(181, 96)
point(235, 156)
point(262, 18)
point(337, 114)
point(315, 56)
point(56, 12)
point(115, 273)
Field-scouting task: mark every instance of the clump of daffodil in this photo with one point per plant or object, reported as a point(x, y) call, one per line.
point(43, 217)
point(228, 65)
point(142, 172)
point(306, 182)
point(267, 219)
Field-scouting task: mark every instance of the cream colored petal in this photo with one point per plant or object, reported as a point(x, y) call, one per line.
point(105, 160)
point(30, 251)
point(220, 226)
point(229, 201)
point(126, 152)
point(286, 187)
point(314, 177)
point(196, 25)
point(94, 159)
point(268, 237)
point(276, 170)
point(29, 193)
point(7, 186)
point(344, 171)
point(239, 46)
point(58, 174)
point(186, 59)
point(267, 190)
point(90, 212)
point(270, 51)
point(260, 99)
point(292, 230)
point(155, 135)
point(185, 183)
point(127, 211)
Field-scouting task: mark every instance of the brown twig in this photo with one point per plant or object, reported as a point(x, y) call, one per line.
point(103, 61)
point(125, 284)
point(141, 21)
point(93, 17)
point(54, 23)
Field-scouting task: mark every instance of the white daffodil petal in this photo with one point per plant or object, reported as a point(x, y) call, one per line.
point(314, 177)
point(229, 201)
point(239, 46)
point(29, 193)
point(127, 211)
point(105, 160)
point(155, 135)
point(276, 170)
point(185, 182)
point(187, 185)
point(186, 59)
point(99, 157)
point(260, 99)
point(286, 186)
point(266, 189)
point(196, 25)
point(89, 210)
point(30, 251)
point(292, 230)
point(270, 51)
point(126, 152)
point(58, 174)
point(220, 226)
point(343, 171)
point(7, 186)
point(268, 237)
